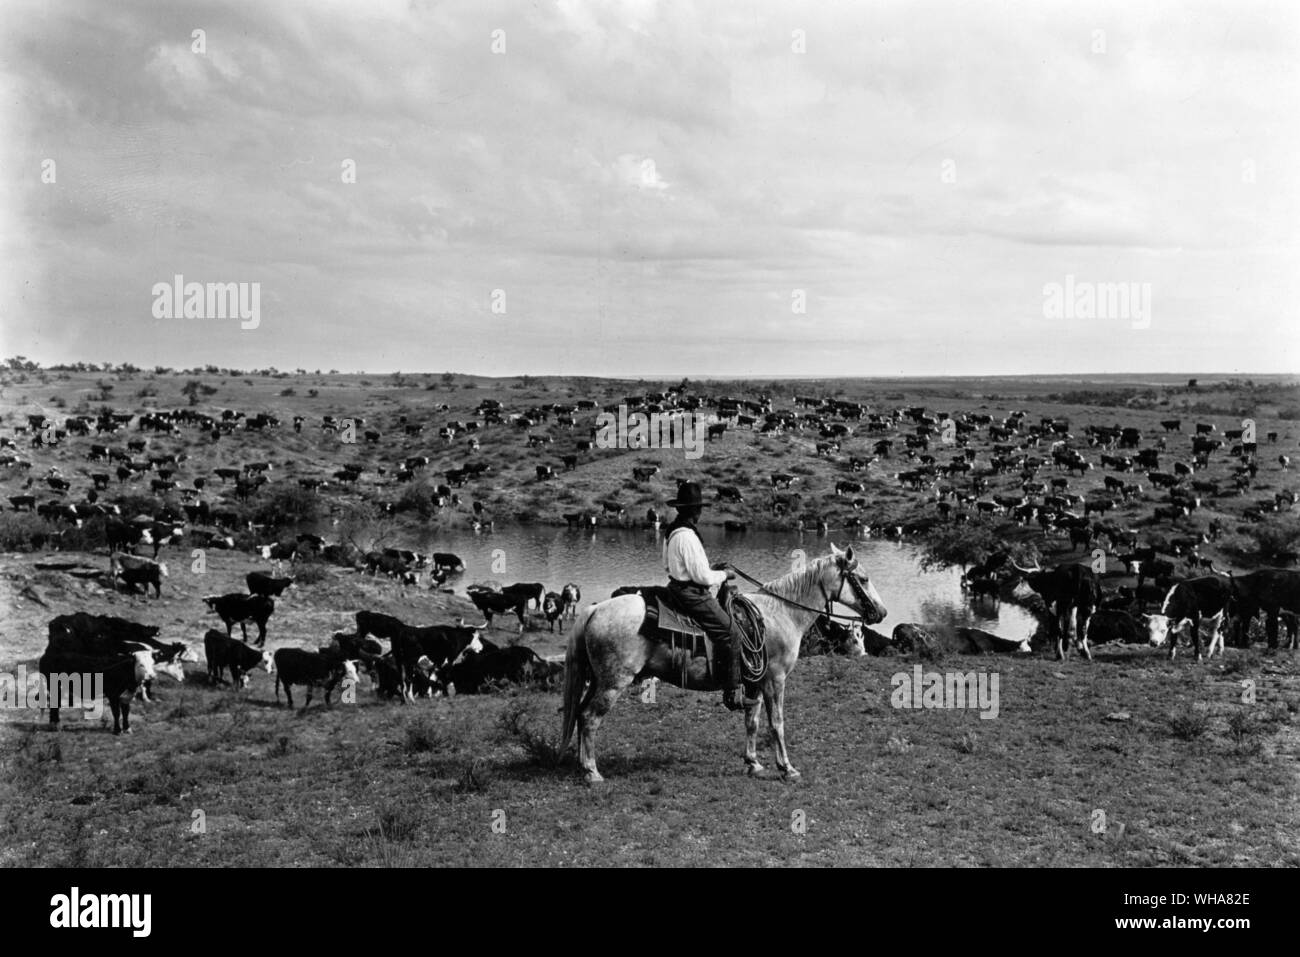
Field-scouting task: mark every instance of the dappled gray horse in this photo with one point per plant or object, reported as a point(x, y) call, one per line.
point(607, 652)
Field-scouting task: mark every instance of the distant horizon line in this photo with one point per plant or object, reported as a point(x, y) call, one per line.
point(667, 377)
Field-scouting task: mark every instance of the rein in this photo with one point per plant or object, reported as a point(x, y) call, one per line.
point(844, 574)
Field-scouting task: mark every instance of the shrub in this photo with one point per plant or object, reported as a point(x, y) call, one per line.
point(310, 571)
point(518, 723)
point(1276, 539)
point(24, 532)
point(1240, 726)
point(417, 497)
point(424, 736)
point(398, 822)
point(286, 505)
point(1189, 724)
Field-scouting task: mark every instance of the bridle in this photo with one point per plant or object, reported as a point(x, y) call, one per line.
point(828, 598)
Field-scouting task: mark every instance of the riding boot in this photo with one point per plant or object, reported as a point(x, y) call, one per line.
point(726, 665)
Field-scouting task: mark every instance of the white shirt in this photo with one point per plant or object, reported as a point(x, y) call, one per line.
point(685, 560)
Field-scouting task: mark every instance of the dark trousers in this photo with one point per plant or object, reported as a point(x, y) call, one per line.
point(697, 602)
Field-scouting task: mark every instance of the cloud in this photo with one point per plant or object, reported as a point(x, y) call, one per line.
point(645, 172)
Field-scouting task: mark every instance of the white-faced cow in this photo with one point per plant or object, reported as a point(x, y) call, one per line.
point(1184, 606)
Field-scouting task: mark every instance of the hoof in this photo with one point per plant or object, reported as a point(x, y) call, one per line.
point(790, 774)
point(593, 777)
point(755, 770)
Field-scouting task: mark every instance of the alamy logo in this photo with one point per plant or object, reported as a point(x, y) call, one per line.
point(656, 430)
point(946, 691)
point(84, 691)
point(102, 910)
point(179, 299)
point(1098, 300)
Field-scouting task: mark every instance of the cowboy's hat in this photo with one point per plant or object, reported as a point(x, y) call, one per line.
point(688, 493)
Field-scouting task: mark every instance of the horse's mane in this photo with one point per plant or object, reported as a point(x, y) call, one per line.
point(798, 583)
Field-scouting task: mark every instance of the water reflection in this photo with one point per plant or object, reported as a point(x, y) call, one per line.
point(603, 559)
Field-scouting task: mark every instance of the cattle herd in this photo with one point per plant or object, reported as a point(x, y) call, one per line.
point(1048, 478)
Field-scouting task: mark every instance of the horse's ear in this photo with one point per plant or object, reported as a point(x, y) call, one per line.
point(849, 558)
point(836, 553)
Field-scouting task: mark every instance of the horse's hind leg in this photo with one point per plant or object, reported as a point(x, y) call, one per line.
point(751, 735)
point(588, 723)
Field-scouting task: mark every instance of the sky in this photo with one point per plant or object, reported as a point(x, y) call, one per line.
point(634, 187)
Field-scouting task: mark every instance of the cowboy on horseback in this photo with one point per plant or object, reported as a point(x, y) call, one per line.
point(696, 585)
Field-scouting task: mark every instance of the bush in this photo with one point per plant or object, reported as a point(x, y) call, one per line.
point(417, 497)
point(1189, 723)
point(24, 532)
point(92, 535)
point(424, 736)
point(398, 822)
point(962, 545)
point(1277, 541)
point(287, 505)
point(518, 723)
point(310, 572)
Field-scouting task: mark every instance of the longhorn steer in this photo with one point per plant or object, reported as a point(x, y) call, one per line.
point(1070, 591)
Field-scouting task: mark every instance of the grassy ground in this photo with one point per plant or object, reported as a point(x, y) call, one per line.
point(1193, 776)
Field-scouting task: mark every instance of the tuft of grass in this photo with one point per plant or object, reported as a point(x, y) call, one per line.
point(310, 572)
point(518, 724)
point(1247, 662)
point(397, 823)
point(1189, 723)
point(1241, 726)
point(424, 736)
point(473, 778)
point(969, 743)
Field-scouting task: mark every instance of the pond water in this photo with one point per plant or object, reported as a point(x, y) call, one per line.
point(603, 559)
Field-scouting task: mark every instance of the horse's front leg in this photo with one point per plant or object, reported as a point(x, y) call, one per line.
point(776, 721)
point(751, 735)
point(588, 723)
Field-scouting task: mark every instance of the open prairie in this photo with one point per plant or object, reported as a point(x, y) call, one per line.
point(1130, 759)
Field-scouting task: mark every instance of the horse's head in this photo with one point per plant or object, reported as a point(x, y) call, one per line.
point(844, 581)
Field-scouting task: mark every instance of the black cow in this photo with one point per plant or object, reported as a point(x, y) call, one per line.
point(552, 607)
point(237, 608)
point(378, 624)
point(106, 636)
point(123, 676)
point(533, 591)
point(1270, 590)
point(293, 666)
point(139, 571)
point(1069, 591)
point(1115, 624)
point(441, 644)
point(495, 603)
point(514, 664)
point(123, 536)
point(448, 562)
point(262, 583)
point(223, 652)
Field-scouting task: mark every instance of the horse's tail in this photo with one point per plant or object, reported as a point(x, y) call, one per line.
point(577, 672)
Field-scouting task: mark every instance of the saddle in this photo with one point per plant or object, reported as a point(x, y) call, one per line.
point(666, 623)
